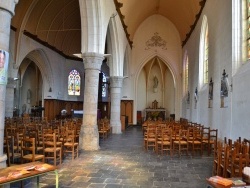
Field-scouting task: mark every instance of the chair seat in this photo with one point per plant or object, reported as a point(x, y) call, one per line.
point(70, 144)
point(52, 149)
point(195, 142)
point(182, 142)
point(36, 157)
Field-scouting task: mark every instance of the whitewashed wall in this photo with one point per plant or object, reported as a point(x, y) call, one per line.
point(233, 120)
point(171, 56)
point(54, 69)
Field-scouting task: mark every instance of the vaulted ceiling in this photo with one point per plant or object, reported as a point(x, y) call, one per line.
point(182, 13)
point(56, 23)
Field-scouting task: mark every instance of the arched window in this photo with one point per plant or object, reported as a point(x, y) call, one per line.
point(74, 83)
point(204, 53)
point(205, 62)
point(185, 77)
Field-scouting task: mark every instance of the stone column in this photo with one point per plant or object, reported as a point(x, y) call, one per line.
point(6, 13)
point(9, 101)
point(89, 135)
point(115, 99)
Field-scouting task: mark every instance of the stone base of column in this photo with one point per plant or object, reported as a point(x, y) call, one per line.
point(89, 138)
point(3, 159)
point(116, 128)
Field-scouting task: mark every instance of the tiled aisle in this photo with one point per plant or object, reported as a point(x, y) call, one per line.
point(122, 162)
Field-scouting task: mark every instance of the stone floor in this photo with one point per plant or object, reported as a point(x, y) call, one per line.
point(122, 162)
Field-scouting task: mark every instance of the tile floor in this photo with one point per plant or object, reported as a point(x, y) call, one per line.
point(122, 162)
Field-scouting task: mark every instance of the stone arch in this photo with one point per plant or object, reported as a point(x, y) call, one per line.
point(40, 58)
point(115, 48)
point(176, 80)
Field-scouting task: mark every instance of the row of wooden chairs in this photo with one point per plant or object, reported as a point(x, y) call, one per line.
point(176, 138)
point(231, 157)
point(50, 143)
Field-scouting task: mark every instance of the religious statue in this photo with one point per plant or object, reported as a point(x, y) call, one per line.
point(224, 85)
point(210, 91)
point(155, 84)
point(188, 98)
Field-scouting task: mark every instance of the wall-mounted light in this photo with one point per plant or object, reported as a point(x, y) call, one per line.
point(50, 89)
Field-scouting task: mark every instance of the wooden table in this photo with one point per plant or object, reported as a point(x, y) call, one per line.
point(216, 185)
point(25, 171)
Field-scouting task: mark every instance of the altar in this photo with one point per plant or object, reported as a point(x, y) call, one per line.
point(155, 112)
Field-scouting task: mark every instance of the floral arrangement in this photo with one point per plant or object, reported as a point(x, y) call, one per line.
point(154, 115)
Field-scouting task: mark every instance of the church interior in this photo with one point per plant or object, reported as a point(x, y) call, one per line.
point(94, 75)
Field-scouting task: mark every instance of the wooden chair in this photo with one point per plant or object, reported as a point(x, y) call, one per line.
point(38, 143)
point(181, 143)
point(165, 141)
point(51, 150)
point(224, 160)
point(217, 159)
point(15, 147)
point(6, 150)
point(195, 141)
point(28, 149)
point(150, 138)
point(212, 141)
point(205, 138)
point(70, 145)
point(239, 161)
point(103, 132)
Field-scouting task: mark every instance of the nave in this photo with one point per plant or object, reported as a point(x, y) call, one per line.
point(122, 162)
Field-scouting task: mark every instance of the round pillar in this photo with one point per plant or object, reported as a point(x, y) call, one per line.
point(6, 12)
point(89, 135)
point(115, 98)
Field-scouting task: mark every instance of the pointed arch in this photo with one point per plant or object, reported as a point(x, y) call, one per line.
point(40, 58)
point(175, 77)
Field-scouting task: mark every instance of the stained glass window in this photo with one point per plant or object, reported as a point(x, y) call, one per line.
point(74, 83)
point(104, 85)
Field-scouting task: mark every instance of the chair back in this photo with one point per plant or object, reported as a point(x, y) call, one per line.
point(28, 147)
point(49, 140)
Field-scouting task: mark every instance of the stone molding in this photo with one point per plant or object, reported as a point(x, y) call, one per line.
point(9, 6)
point(92, 60)
point(116, 81)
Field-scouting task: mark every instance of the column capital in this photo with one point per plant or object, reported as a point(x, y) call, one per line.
point(9, 6)
point(116, 81)
point(92, 60)
point(11, 83)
